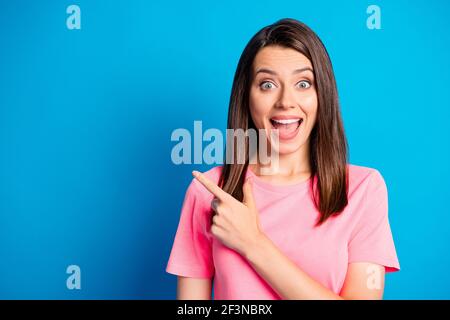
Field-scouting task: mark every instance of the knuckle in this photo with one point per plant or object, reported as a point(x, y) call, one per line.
point(214, 229)
point(222, 210)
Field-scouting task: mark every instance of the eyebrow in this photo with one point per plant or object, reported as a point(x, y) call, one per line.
point(265, 70)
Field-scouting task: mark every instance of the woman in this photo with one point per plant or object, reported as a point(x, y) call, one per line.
point(318, 227)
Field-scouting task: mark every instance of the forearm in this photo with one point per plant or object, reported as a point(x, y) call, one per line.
point(282, 274)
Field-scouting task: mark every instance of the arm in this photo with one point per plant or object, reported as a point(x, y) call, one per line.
point(236, 225)
point(290, 282)
point(193, 288)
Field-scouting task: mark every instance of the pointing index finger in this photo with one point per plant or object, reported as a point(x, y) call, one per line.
point(211, 186)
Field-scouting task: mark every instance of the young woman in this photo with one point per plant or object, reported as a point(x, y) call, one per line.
point(318, 227)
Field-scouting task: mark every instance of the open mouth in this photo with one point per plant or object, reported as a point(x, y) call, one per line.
point(287, 128)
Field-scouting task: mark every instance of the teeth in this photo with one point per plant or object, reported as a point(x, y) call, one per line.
point(286, 121)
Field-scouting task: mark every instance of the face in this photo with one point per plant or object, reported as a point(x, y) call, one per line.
point(283, 96)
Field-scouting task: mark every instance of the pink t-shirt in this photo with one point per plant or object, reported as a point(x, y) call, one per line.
point(361, 233)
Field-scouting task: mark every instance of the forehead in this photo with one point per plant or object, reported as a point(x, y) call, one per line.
point(280, 59)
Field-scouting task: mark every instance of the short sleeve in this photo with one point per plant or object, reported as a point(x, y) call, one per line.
point(191, 254)
point(371, 240)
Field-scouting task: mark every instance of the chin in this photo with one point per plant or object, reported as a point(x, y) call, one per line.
point(288, 148)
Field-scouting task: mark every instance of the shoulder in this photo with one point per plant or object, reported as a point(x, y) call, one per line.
point(367, 190)
point(361, 177)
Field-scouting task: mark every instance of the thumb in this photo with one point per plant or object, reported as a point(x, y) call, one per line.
point(248, 199)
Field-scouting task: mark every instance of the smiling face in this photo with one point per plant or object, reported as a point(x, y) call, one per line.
point(283, 96)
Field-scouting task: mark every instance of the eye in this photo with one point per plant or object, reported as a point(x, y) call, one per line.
point(304, 84)
point(267, 85)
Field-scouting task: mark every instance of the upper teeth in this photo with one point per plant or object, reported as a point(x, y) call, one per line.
point(286, 121)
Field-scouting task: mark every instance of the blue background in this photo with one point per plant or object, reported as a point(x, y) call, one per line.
point(86, 116)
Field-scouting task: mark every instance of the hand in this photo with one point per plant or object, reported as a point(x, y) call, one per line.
point(235, 223)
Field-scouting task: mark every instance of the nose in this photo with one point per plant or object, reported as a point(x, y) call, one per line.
point(286, 99)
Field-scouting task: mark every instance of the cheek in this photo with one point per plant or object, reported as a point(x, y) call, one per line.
point(260, 107)
point(310, 105)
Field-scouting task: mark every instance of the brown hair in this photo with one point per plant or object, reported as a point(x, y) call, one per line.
point(328, 145)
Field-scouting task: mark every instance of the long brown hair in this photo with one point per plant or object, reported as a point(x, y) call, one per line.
point(328, 145)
